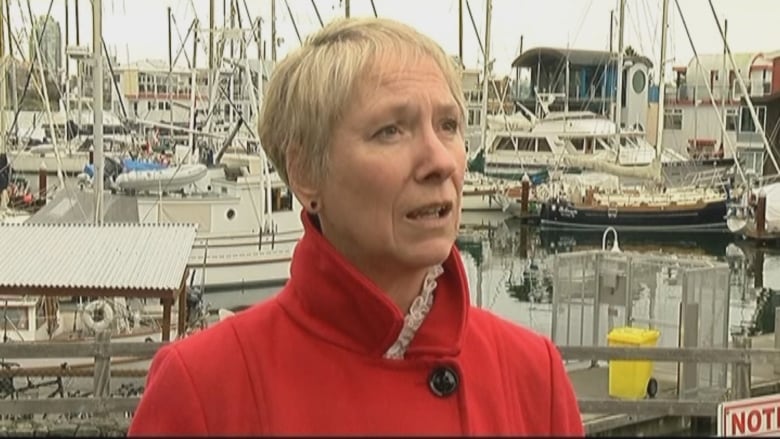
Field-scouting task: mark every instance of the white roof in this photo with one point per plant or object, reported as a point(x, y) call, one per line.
point(119, 257)
point(714, 62)
point(151, 66)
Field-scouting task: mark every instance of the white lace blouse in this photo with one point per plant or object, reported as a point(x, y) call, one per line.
point(420, 308)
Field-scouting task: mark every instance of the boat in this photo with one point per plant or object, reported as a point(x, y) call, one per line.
point(585, 141)
point(755, 215)
point(248, 220)
point(28, 319)
point(481, 193)
point(670, 209)
point(173, 178)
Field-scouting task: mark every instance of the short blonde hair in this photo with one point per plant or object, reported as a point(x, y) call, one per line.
point(311, 88)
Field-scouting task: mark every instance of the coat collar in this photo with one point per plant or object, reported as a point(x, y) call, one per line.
point(333, 300)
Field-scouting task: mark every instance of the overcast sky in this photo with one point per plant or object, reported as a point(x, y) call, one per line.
point(137, 29)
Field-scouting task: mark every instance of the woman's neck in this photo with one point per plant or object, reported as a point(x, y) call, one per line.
point(401, 287)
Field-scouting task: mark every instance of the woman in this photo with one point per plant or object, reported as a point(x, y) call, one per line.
point(373, 333)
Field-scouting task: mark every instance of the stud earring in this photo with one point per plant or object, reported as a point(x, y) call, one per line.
point(313, 206)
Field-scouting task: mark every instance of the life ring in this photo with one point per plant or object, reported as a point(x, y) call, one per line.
point(89, 310)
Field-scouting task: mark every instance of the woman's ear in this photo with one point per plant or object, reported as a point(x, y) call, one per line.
point(302, 183)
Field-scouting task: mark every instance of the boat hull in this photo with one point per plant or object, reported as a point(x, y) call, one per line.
point(242, 262)
point(706, 216)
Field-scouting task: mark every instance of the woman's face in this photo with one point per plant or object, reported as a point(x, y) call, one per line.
point(391, 196)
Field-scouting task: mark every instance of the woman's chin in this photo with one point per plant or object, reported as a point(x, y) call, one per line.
point(430, 253)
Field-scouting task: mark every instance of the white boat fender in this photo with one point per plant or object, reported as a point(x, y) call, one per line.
point(88, 315)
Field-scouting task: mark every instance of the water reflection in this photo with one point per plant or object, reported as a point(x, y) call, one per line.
point(508, 269)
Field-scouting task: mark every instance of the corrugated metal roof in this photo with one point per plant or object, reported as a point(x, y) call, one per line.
point(88, 256)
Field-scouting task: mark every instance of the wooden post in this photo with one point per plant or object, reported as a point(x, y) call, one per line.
point(102, 374)
point(182, 317)
point(524, 195)
point(740, 372)
point(166, 323)
point(524, 232)
point(761, 213)
point(777, 340)
point(42, 180)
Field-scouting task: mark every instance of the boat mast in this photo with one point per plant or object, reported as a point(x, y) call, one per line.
point(3, 62)
point(273, 31)
point(97, 105)
point(67, 71)
point(460, 32)
point(743, 90)
point(659, 144)
point(485, 72)
point(619, 72)
point(14, 97)
point(170, 71)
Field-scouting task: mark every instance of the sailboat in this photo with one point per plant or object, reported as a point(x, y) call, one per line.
point(657, 207)
point(248, 221)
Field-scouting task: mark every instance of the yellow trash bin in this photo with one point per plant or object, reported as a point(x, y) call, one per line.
point(630, 379)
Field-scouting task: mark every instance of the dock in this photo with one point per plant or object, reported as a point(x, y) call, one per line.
point(592, 384)
point(108, 413)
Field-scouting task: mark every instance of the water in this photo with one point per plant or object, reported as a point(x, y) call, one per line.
point(510, 250)
point(497, 256)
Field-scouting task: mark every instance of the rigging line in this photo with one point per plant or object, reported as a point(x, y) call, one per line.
point(111, 71)
point(182, 41)
point(721, 121)
point(638, 22)
point(373, 7)
point(256, 27)
point(35, 55)
point(42, 90)
point(295, 26)
point(635, 24)
point(476, 30)
point(582, 21)
point(748, 100)
point(317, 12)
point(652, 31)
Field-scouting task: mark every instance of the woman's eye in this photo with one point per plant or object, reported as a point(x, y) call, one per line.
point(388, 132)
point(451, 125)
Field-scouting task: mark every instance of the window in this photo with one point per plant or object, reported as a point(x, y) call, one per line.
point(673, 118)
point(475, 117)
point(282, 199)
point(746, 124)
point(523, 144)
point(638, 81)
point(731, 120)
point(16, 317)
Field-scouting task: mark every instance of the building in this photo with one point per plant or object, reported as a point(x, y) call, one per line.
point(499, 92)
point(48, 32)
point(691, 123)
point(584, 80)
point(750, 144)
point(150, 91)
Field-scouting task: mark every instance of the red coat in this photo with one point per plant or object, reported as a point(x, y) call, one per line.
point(310, 361)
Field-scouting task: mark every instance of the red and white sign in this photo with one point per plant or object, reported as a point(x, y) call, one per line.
point(750, 417)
